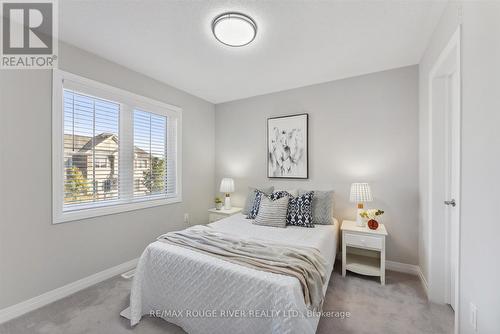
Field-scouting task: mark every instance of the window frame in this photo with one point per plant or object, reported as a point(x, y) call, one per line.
point(128, 102)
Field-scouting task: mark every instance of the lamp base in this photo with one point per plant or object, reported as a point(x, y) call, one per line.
point(359, 219)
point(227, 203)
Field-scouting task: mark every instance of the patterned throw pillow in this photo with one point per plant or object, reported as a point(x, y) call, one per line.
point(300, 210)
point(322, 207)
point(258, 196)
point(279, 194)
point(291, 192)
point(256, 204)
point(272, 213)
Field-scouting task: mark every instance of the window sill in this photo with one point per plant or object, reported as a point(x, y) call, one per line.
point(111, 209)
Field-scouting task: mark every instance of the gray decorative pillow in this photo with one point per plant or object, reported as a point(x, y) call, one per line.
point(322, 207)
point(251, 198)
point(272, 213)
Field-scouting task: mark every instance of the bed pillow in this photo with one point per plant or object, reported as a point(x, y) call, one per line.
point(258, 196)
point(251, 198)
point(322, 207)
point(300, 210)
point(291, 192)
point(272, 212)
point(279, 194)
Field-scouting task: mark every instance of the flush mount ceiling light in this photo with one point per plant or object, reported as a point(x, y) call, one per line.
point(234, 29)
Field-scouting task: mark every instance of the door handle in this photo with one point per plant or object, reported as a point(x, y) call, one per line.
point(452, 203)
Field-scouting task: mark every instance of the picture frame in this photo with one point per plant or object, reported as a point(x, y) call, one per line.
point(288, 147)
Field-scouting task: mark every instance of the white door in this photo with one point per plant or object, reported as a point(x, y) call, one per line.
point(452, 181)
point(443, 228)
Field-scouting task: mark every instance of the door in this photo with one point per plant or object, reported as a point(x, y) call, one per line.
point(444, 161)
point(452, 181)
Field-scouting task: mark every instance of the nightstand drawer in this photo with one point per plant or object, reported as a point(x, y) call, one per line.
point(360, 240)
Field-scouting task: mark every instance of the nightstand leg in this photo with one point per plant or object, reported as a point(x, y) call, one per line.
point(382, 266)
point(344, 254)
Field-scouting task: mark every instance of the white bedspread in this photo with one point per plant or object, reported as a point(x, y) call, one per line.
point(205, 294)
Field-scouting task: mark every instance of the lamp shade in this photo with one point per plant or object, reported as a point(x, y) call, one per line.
point(227, 185)
point(360, 192)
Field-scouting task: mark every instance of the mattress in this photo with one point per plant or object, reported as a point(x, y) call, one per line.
point(205, 294)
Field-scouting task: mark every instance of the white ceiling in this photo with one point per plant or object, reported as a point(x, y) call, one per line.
point(298, 42)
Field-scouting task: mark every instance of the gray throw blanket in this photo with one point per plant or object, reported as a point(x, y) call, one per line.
point(303, 263)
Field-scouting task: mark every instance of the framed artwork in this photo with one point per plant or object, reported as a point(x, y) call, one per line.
point(287, 147)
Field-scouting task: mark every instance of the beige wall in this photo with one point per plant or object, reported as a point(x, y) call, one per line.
point(360, 129)
point(479, 243)
point(36, 256)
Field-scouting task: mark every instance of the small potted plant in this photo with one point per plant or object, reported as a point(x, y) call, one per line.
point(218, 203)
point(371, 215)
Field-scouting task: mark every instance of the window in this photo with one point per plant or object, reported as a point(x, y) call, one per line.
point(90, 136)
point(149, 152)
point(113, 151)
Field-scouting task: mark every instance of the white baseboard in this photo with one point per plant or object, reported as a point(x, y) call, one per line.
point(26, 306)
point(129, 274)
point(424, 282)
point(402, 267)
point(409, 269)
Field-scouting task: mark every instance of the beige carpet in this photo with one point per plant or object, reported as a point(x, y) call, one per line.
point(398, 307)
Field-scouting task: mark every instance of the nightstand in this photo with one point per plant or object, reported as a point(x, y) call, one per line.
point(363, 250)
point(214, 214)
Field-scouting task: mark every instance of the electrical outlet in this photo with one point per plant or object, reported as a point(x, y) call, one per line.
point(186, 218)
point(473, 316)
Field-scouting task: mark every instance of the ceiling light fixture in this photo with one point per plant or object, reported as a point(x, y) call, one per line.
point(234, 29)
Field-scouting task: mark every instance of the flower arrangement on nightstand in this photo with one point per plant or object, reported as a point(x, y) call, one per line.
point(218, 203)
point(371, 216)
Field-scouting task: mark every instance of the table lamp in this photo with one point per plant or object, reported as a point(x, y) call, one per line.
point(360, 193)
point(227, 187)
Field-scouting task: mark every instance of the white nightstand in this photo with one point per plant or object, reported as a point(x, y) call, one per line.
point(363, 250)
point(214, 214)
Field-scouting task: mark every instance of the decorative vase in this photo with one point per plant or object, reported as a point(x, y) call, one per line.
point(218, 206)
point(372, 224)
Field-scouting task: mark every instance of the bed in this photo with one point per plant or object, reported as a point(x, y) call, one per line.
point(206, 294)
